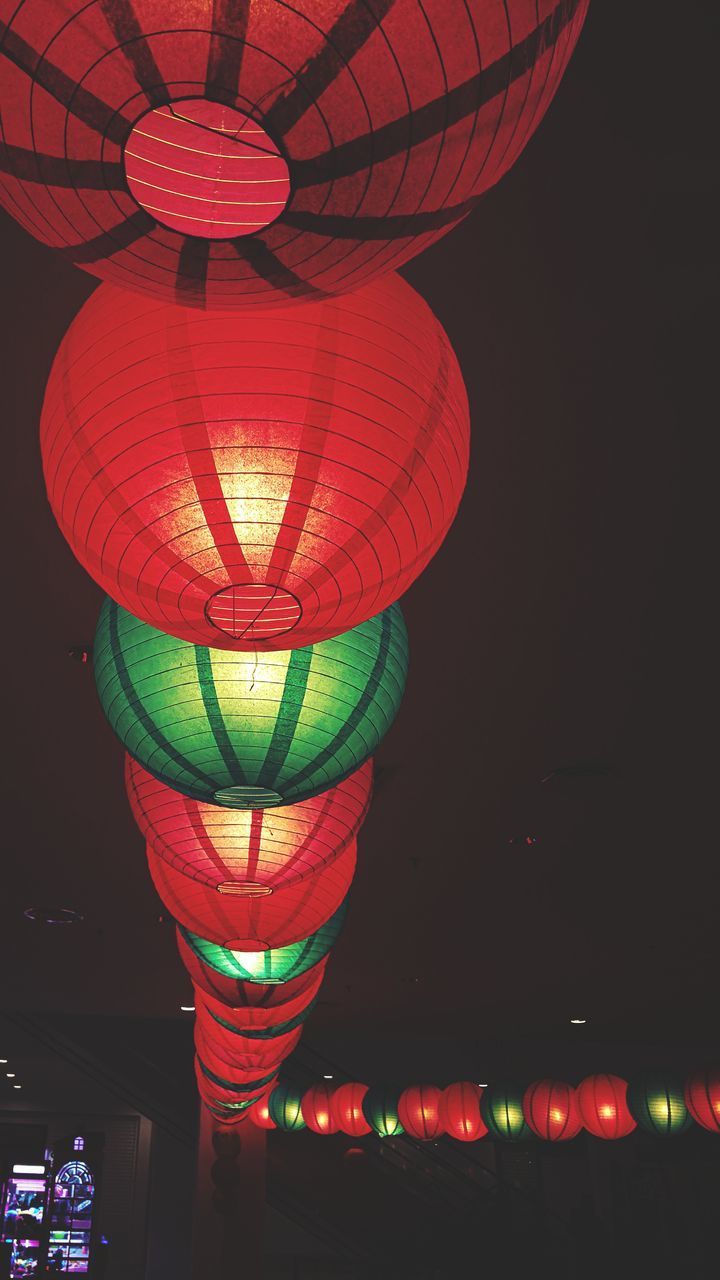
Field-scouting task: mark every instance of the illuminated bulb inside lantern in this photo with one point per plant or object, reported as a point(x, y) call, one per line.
point(206, 170)
point(607, 1112)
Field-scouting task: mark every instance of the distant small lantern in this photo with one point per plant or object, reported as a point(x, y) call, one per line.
point(380, 1108)
point(347, 1104)
point(656, 1100)
point(419, 1111)
point(285, 1106)
point(602, 1103)
point(702, 1095)
point(501, 1106)
point(317, 1108)
point(550, 1109)
point(460, 1113)
point(250, 731)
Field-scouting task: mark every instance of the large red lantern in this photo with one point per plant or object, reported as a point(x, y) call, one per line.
point(256, 482)
point(460, 1114)
point(347, 1105)
point(551, 1111)
point(233, 153)
point(419, 1111)
point(264, 999)
point(231, 874)
point(317, 1108)
point(702, 1096)
point(602, 1105)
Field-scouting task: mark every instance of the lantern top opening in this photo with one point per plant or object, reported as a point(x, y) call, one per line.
point(206, 169)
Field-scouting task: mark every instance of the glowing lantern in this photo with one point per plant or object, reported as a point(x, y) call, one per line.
point(261, 1004)
point(260, 1114)
point(702, 1095)
point(460, 1114)
point(216, 1045)
point(272, 875)
point(250, 731)
point(285, 1106)
point(347, 1105)
point(240, 1093)
point(317, 1108)
point(276, 965)
point(602, 1103)
point(419, 1111)
point(239, 151)
point(256, 482)
point(657, 1102)
point(380, 1108)
point(242, 1022)
point(501, 1107)
point(550, 1109)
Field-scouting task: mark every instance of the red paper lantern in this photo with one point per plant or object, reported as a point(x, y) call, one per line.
point(244, 1022)
point(702, 1097)
point(347, 1108)
point(265, 999)
point(231, 1099)
point(256, 482)
point(551, 1111)
point(602, 1105)
point(419, 1111)
point(230, 874)
point(240, 152)
point(317, 1108)
point(236, 1067)
point(259, 1113)
point(460, 1115)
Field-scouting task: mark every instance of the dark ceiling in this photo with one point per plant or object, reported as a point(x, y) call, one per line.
point(557, 689)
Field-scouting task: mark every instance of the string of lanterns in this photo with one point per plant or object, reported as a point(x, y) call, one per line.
point(605, 1106)
point(255, 436)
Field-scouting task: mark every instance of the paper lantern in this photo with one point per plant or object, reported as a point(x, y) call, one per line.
point(347, 1105)
point(243, 1093)
point(550, 1109)
point(285, 1106)
point(237, 1068)
point(256, 482)
point(276, 965)
point(259, 1113)
point(419, 1111)
point(317, 1108)
point(657, 1102)
point(602, 1103)
point(249, 731)
point(460, 1114)
point(216, 1046)
point(702, 1096)
point(501, 1107)
point(262, 1004)
point(242, 1022)
point(238, 152)
point(380, 1108)
point(228, 873)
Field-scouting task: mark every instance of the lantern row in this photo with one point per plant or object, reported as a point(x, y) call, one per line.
point(605, 1106)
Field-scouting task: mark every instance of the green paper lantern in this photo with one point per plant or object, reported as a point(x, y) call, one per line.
point(657, 1102)
point(277, 964)
point(250, 730)
point(380, 1108)
point(501, 1107)
point(285, 1107)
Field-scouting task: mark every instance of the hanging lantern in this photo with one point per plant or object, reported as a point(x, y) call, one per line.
point(347, 1105)
point(317, 1108)
point(380, 1108)
point(242, 1022)
point(263, 1005)
point(250, 731)
point(256, 482)
point(285, 1106)
point(259, 1113)
point(550, 1109)
point(602, 1103)
point(288, 150)
point(501, 1107)
point(217, 1046)
point(238, 1096)
point(276, 965)
point(702, 1095)
point(274, 876)
point(657, 1102)
point(419, 1111)
point(460, 1114)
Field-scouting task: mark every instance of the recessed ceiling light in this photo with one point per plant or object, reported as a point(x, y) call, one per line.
point(53, 915)
point(3, 1062)
point(482, 1086)
point(578, 1022)
point(327, 1077)
point(187, 1008)
point(10, 1075)
point(17, 1086)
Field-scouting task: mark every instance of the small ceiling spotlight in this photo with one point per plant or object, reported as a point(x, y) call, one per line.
point(17, 1086)
point(10, 1075)
point(578, 1022)
point(53, 915)
point(328, 1077)
point(187, 1008)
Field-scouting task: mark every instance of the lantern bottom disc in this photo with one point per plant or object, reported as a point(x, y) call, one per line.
point(247, 797)
point(245, 945)
point(253, 612)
